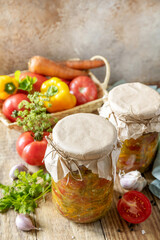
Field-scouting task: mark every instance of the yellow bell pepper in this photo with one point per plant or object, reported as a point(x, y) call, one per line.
point(8, 86)
point(58, 94)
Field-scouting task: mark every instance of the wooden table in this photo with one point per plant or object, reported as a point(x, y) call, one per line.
point(56, 227)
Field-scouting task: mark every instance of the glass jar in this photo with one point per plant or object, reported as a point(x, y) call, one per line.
point(138, 154)
point(134, 109)
point(83, 166)
point(83, 201)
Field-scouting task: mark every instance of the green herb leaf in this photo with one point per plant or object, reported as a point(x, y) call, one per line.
point(24, 193)
point(34, 117)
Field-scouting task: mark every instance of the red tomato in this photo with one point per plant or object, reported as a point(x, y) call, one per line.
point(30, 150)
point(11, 104)
point(37, 85)
point(84, 89)
point(134, 207)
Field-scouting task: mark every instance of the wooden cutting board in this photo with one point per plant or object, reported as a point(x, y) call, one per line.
point(56, 227)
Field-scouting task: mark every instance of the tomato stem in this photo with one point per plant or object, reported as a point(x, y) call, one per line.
point(15, 114)
point(38, 136)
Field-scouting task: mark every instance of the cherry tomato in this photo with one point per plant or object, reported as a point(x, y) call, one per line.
point(84, 89)
point(38, 83)
point(134, 207)
point(11, 104)
point(30, 150)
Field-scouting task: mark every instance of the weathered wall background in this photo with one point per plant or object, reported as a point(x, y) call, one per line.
point(127, 32)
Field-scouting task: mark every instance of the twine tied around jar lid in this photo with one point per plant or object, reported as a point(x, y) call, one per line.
point(68, 161)
point(134, 109)
point(133, 118)
point(82, 139)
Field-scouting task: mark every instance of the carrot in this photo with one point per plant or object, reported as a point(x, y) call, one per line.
point(84, 64)
point(48, 67)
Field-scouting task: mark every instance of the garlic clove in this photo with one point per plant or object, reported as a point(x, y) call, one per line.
point(24, 223)
point(132, 180)
point(141, 183)
point(128, 182)
point(20, 168)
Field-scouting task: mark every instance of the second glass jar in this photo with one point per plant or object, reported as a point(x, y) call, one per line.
point(138, 154)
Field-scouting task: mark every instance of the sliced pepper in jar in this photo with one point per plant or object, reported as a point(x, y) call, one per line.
point(82, 201)
point(137, 154)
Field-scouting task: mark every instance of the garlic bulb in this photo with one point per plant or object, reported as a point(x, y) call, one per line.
point(132, 180)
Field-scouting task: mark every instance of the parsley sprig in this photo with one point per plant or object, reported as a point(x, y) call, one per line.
point(25, 192)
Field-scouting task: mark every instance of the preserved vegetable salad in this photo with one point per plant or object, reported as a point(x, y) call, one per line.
point(138, 154)
point(81, 157)
point(82, 201)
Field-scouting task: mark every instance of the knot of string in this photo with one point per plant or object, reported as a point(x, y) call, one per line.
point(67, 161)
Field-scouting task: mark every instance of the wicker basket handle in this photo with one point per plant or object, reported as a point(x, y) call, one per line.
point(107, 76)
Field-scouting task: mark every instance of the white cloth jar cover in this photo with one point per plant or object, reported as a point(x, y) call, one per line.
point(134, 109)
point(82, 139)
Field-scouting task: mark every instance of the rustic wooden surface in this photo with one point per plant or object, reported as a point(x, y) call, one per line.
point(56, 227)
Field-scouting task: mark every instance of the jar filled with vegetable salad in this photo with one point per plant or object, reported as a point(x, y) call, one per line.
point(81, 157)
point(134, 109)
